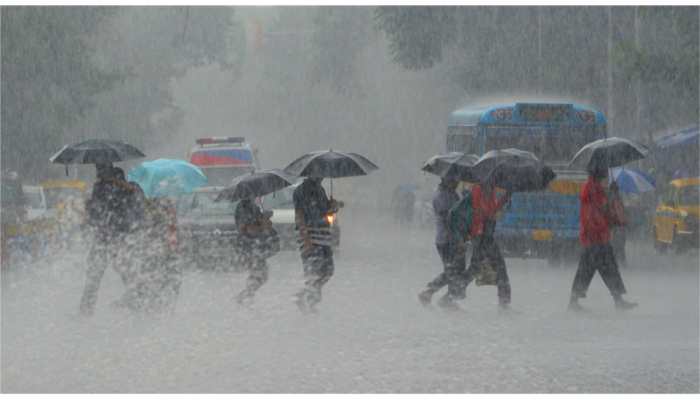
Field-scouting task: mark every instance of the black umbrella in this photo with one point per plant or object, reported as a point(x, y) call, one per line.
point(96, 151)
point(330, 164)
point(455, 164)
point(608, 153)
point(513, 170)
point(256, 184)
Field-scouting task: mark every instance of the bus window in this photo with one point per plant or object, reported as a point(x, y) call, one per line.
point(460, 138)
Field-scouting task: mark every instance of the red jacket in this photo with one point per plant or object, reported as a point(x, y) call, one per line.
point(484, 208)
point(595, 223)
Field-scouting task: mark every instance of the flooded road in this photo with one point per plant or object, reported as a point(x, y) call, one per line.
point(371, 334)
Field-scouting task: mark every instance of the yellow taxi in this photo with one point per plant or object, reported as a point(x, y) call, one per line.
point(678, 216)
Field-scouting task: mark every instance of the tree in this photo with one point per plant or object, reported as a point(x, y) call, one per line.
point(153, 46)
point(339, 35)
point(49, 79)
point(560, 51)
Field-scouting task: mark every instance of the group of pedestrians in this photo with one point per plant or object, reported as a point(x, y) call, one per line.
point(452, 248)
point(600, 212)
point(126, 225)
point(259, 241)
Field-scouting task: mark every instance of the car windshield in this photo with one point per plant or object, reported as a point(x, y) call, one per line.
point(279, 199)
point(689, 196)
point(33, 199)
point(202, 204)
point(224, 176)
point(54, 196)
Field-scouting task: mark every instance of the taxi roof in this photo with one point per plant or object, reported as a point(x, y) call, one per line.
point(686, 182)
point(64, 183)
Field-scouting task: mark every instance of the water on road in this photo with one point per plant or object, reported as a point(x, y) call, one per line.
point(371, 334)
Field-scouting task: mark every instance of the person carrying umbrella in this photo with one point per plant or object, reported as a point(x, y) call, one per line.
point(254, 228)
point(452, 249)
point(112, 211)
point(513, 170)
point(595, 220)
point(311, 207)
point(257, 239)
point(485, 248)
point(597, 216)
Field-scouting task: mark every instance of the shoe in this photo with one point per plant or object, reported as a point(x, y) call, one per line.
point(576, 307)
point(447, 303)
point(424, 297)
point(622, 304)
point(245, 298)
point(302, 303)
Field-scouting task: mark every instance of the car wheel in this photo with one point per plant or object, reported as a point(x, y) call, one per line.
point(676, 245)
point(660, 247)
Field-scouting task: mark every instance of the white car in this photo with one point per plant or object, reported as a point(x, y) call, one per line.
point(36, 202)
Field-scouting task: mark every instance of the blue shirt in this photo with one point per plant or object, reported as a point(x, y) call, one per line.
point(443, 200)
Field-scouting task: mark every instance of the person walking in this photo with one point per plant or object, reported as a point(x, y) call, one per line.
point(486, 206)
point(596, 217)
point(252, 226)
point(450, 248)
point(109, 213)
point(311, 206)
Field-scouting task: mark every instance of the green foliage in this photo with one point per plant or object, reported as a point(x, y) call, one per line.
point(339, 34)
point(49, 78)
point(417, 35)
point(153, 46)
point(674, 60)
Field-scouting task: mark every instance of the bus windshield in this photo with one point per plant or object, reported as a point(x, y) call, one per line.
point(552, 145)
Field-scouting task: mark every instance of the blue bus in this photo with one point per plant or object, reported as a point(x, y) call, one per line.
point(541, 224)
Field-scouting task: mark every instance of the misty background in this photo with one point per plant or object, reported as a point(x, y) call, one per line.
point(380, 81)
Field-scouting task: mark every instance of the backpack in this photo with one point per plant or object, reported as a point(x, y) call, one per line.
point(460, 215)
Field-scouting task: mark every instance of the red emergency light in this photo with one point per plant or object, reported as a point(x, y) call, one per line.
point(220, 139)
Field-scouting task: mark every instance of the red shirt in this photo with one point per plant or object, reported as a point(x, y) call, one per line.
point(595, 227)
point(484, 208)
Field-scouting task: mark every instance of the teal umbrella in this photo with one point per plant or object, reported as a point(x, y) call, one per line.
point(166, 177)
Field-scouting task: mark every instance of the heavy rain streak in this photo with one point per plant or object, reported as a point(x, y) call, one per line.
point(350, 199)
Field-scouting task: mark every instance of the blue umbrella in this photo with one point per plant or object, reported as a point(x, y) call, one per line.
point(631, 180)
point(165, 177)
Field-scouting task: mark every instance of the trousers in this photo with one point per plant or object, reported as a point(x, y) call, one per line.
point(318, 270)
point(486, 249)
point(454, 264)
point(597, 257)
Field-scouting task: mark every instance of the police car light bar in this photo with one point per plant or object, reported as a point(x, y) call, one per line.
point(220, 139)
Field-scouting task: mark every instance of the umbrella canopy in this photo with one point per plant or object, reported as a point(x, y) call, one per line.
point(330, 164)
point(455, 164)
point(513, 170)
point(608, 153)
point(166, 177)
point(256, 184)
point(631, 180)
point(96, 151)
